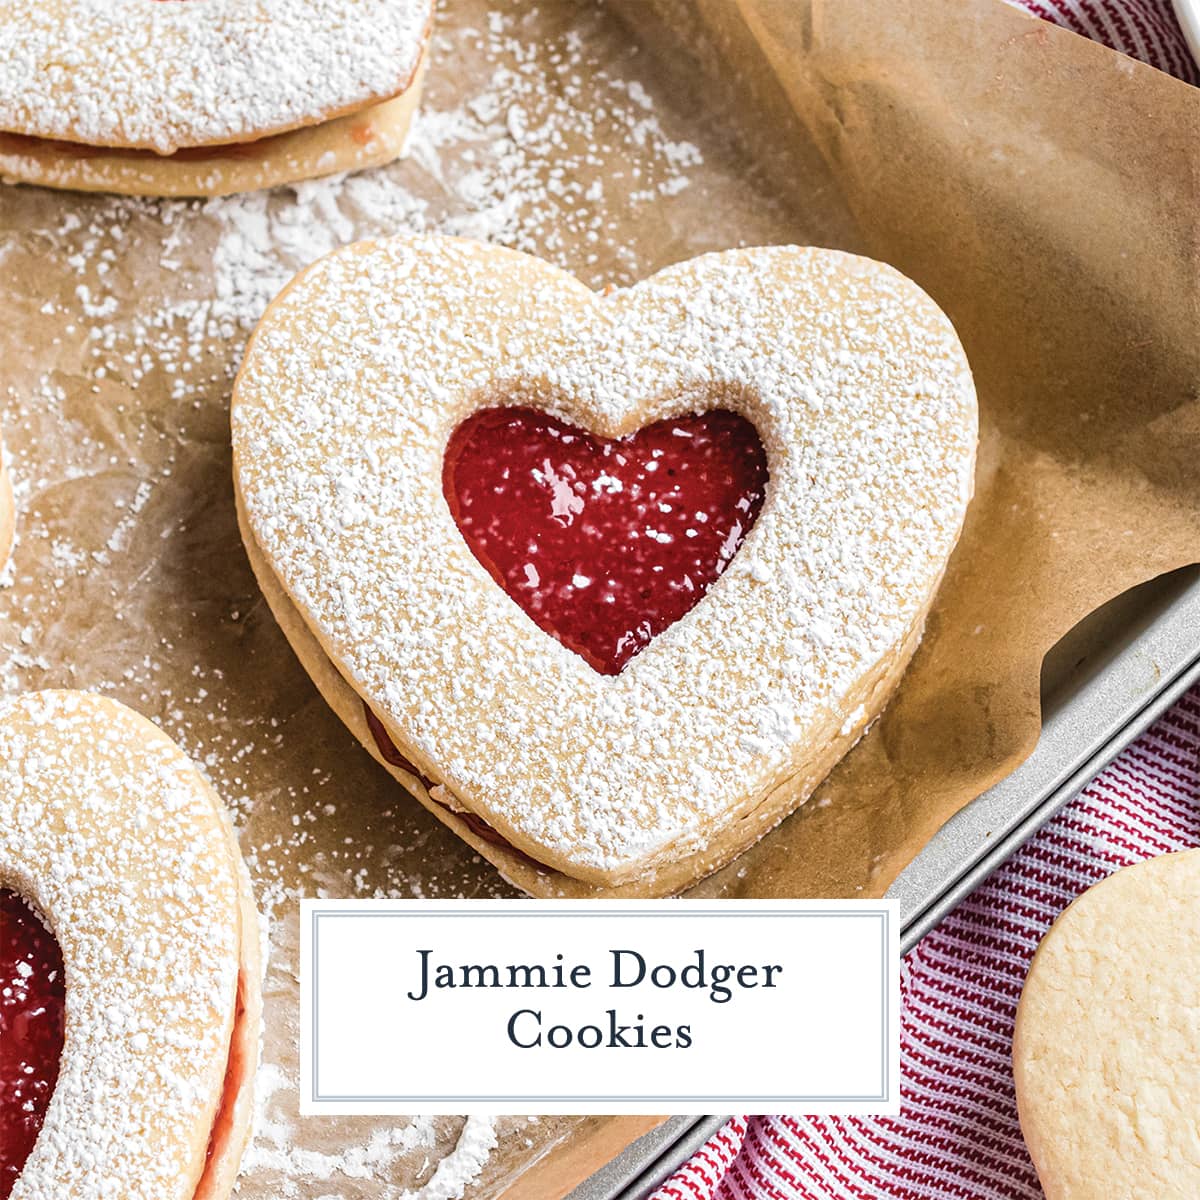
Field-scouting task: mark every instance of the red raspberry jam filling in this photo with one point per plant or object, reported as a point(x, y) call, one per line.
point(389, 753)
point(387, 748)
point(604, 543)
point(32, 992)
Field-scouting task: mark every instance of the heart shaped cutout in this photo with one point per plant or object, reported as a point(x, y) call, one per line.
point(351, 392)
point(604, 542)
point(32, 999)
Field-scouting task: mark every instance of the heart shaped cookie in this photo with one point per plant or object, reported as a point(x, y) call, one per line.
point(571, 780)
point(1108, 1036)
point(113, 839)
point(164, 98)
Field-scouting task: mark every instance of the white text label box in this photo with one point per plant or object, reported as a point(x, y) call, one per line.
point(599, 1007)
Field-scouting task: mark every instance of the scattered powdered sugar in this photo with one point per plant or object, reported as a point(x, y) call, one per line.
point(376, 1152)
point(863, 399)
point(267, 237)
point(525, 159)
point(518, 163)
point(544, 128)
point(274, 1149)
point(463, 1165)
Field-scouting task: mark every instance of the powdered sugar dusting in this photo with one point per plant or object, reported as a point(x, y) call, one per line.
point(107, 828)
point(274, 1151)
point(144, 74)
point(862, 397)
point(544, 127)
point(518, 163)
point(463, 1165)
point(442, 1155)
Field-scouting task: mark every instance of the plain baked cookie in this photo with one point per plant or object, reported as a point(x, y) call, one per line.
point(207, 97)
point(124, 850)
point(572, 781)
point(1107, 1045)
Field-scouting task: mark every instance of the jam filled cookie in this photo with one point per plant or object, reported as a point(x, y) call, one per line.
point(129, 946)
point(1108, 1037)
point(204, 97)
point(608, 582)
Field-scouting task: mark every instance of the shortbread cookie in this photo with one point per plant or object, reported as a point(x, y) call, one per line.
point(1107, 1042)
point(389, 544)
point(369, 138)
point(115, 841)
point(162, 97)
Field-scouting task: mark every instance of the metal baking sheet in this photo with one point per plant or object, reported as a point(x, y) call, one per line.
point(637, 1171)
point(1102, 685)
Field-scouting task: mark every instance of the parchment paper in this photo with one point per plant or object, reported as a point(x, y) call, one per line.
point(1043, 189)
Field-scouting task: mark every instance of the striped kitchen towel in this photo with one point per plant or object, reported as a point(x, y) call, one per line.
point(958, 1134)
point(1144, 29)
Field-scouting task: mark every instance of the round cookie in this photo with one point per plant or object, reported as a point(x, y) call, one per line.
point(123, 849)
point(1107, 1046)
point(569, 779)
point(146, 97)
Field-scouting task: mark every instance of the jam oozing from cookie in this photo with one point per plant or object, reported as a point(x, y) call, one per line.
point(604, 543)
point(32, 991)
point(390, 754)
point(387, 748)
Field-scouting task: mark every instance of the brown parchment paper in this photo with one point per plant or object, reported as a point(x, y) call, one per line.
point(1045, 191)
point(1041, 188)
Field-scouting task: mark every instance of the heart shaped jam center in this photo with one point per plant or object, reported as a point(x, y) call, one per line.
point(32, 992)
point(604, 543)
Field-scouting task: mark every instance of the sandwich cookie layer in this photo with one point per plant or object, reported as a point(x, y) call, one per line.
point(166, 75)
point(204, 97)
point(517, 867)
point(371, 137)
point(118, 844)
point(353, 388)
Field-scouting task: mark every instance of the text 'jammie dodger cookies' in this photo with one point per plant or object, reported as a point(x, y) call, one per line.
point(130, 978)
point(1108, 1037)
point(609, 583)
point(204, 97)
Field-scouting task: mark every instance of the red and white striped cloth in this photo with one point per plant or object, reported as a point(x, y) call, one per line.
point(958, 1134)
point(1145, 29)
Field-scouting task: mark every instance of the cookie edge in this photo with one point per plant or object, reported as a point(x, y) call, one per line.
point(295, 156)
